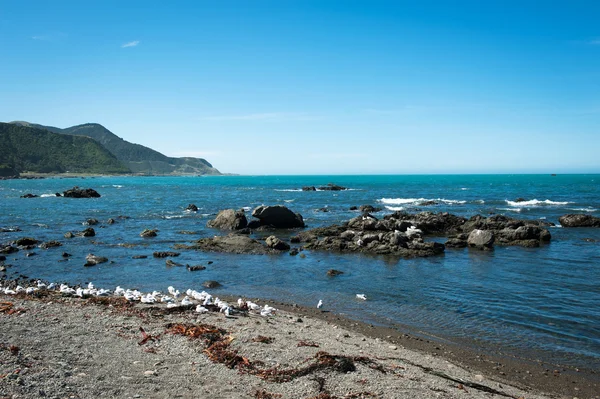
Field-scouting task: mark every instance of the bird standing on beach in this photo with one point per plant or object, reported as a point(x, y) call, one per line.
point(320, 304)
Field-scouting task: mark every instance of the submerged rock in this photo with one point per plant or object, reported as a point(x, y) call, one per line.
point(195, 268)
point(50, 244)
point(29, 195)
point(211, 284)
point(579, 220)
point(333, 272)
point(26, 241)
point(164, 254)
point(77, 192)
point(229, 219)
point(332, 187)
point(232, 243)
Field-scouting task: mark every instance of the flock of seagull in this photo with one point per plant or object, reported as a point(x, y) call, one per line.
point(202, 300)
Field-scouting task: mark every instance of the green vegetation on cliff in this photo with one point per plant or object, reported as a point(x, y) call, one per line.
point(29, 149)
point(138, 158)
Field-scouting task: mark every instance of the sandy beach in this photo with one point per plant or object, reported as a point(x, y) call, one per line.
point(63, 347)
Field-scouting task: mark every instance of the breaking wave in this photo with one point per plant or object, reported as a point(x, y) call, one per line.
point(418, 201)
point(535, 202)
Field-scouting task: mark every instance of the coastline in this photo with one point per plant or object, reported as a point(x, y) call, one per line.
point(95, 341)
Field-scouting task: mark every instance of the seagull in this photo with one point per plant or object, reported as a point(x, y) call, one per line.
point(252, 305)
point(31, 290)
point(320, 304)
point(186, 301)
point(119, 291)
point(361, 296)
point(201, 309)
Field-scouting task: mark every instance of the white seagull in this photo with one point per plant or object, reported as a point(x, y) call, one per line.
point(361, 296)
point(320, 304)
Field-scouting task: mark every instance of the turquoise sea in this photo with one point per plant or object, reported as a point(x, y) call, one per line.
point(536, 303)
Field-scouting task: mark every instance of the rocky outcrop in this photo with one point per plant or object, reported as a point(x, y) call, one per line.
point(481, 239)
point(8, 249)
point(29, 195)
point(93, 260)
point(232, 243)
point(309, 188)
point(429, 223)
point(77, 192)
point(211, 284)
point(229, 219)
point(369, 209)
point(278, 216)
point(333, 272)
point(579, 220)
point(276, 243)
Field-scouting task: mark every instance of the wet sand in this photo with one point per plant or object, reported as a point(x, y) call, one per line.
point(55, 346)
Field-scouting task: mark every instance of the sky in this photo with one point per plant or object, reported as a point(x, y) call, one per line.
point(317, 87)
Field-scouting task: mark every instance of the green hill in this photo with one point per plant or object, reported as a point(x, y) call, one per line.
point(30, 149)
point(138, 158)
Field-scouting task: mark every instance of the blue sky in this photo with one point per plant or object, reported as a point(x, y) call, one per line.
point(317, 87)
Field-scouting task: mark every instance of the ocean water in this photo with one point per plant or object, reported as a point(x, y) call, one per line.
point(534, 303)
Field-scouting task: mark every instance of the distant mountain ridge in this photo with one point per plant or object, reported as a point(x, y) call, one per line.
point(31, 149)
point(138, 158)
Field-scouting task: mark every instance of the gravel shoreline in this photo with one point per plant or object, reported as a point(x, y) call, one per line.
point(62, 347)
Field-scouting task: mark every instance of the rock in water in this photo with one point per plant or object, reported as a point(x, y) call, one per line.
point(50, 244)
point(578, 220)
point(333, 272)
point(147, 233)
point(192, 208)
point(211, 284)
point(164, 254)
point(229, 219)
point(276, 243)
point(77, 192)
point(278, 216)
point(93, 260)
point(26, 241)
point(195, 268)
point(481, 239)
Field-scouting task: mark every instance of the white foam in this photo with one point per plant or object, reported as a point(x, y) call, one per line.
point(288, 200)
point(117, 186)
point(47, 195)
point(464, 188)
point(518, 210)
point(174, 217)
point(535, 202)
point(288, 189)
point(583, 209)
point(246, 208)
point(417, 201)
point(395, 208)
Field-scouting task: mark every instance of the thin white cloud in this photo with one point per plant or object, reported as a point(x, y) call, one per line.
point(49, 37)
point(266, 116)
point(594, 42)
point(338, 155)
point(131, 44)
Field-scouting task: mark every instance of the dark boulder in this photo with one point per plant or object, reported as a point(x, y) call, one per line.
point(520, 199)
point(77, 192)
point(333, 272)
point(195, 268)
point(147, 233)
point(579, 220)
point(294, 251)
point(211, 284)
point(2, 258)
point(91, 222)
point(139, 257)
point(229, 219)
point(68, 234)
point(481, 239)
point(110, 221)
point(66, 255)
point(353, 208)
point(276, 243)
point(93, 260)
point(29, 195)
point(26, 241)
point(309, 188)
point(192, 208)
point(278, 216)
point(332, 187)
